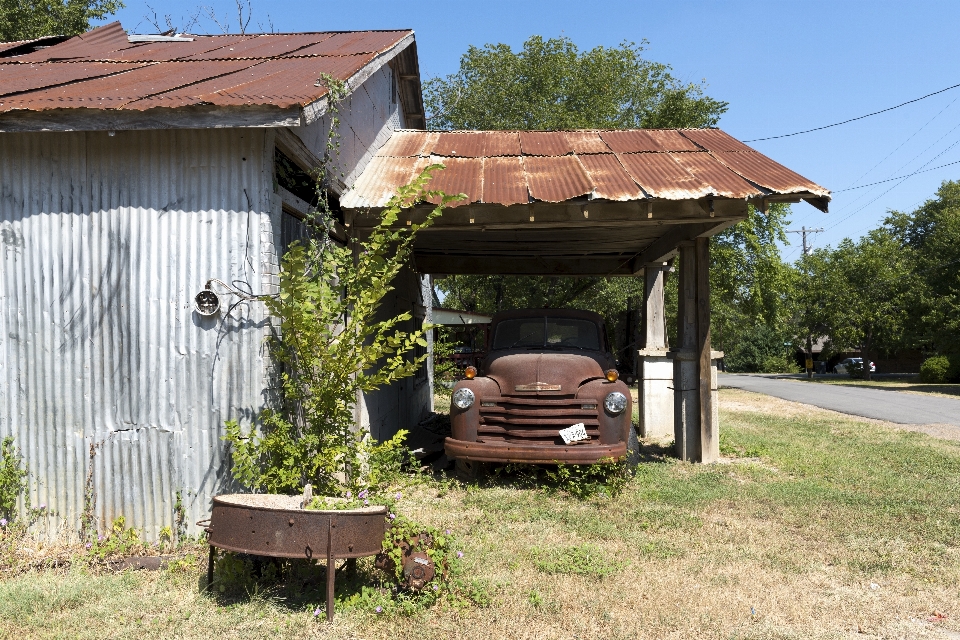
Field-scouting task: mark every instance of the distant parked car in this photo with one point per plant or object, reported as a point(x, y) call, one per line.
point(845, 365)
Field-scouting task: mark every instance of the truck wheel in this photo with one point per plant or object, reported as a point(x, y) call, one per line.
point(633, 448)
point(469, 470)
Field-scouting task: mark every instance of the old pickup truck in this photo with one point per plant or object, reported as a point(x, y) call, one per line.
point(546, 370)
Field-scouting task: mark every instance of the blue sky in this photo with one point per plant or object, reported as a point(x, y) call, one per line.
point(782, 66)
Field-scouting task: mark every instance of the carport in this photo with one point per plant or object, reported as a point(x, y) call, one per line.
point(595, 203)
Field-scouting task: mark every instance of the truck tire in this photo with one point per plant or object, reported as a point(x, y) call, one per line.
point(633, 448)
point(469, 470)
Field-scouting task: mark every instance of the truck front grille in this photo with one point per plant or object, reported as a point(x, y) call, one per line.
point(536, 420)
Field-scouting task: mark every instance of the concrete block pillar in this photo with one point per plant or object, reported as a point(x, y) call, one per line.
point(654, 368)
point(695, 419)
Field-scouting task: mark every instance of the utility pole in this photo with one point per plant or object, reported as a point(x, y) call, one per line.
point(807, 250)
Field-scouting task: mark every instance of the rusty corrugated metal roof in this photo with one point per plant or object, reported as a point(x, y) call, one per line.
point(504, 181)
point(510, 167)
point(103, 69)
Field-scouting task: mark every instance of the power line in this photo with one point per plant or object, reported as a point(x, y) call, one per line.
point(897, 178)
point(894, 186)
point(900, 146)
point(837, 124)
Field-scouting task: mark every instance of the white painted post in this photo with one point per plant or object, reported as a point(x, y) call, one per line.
point(655, 371)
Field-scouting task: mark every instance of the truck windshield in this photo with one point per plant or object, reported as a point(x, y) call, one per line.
point(546, 333)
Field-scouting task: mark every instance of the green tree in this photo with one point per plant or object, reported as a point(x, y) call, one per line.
point(749, 292)
point(29, 19)
point(932, 235)
point(549, 85)
point(858, 294)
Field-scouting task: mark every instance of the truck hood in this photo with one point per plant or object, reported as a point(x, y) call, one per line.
point(543, 373)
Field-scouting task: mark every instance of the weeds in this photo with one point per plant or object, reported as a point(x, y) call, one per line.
point(581, 560)
point(13, 478)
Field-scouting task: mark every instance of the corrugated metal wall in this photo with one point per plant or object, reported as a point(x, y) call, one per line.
point(109, 380)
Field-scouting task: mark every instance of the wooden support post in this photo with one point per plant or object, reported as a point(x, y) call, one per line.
point(694, 381)
point(709, 438)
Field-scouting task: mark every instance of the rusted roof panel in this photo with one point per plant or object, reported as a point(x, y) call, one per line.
point(504, 181)
point(586, 142)
point(163, 51)
point(714, 140)
point(462, 144)
point(460, 175)
point(263, 46)
point(380, 180)
point(115, 91)
point(283, 82)
point(649, 140)
point(760, 169)
point(610, 180)
point(502, 143)
point(555, 179)
point(16, 78)
point(660, 176)
point(206, 70)
point(721, 180)
point(352, 43)
point(407, 144)
point(544, 143)
point(105, 39)
point(583, 164)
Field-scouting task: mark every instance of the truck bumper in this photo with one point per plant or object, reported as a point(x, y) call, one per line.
point(534, 454)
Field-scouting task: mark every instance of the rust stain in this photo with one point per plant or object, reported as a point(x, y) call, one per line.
point(106, 39)
point(761, 170)
point(163, 51)
point(352, 43)
point(263, 46)
point(206, 70)
point(649, 140)
point(504, 181)
point(407, 144)
point(555, 179)
point(502, 143)
point(460, 175)
point(17, 78)
point(610, 180)
point(544, 143)
point(721, 180)
point(586, 142)
point(460, 144)
point(378, 183)
point(660, 176)
point(714, 140)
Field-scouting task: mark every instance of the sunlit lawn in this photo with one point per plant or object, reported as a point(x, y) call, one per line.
point(818, 526)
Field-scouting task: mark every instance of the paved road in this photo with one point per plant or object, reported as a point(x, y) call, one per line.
point(893, 406)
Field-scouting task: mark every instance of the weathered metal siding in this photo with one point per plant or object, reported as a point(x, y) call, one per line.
point(109, 380)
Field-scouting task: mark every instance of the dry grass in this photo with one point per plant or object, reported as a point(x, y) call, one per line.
point(820, 526)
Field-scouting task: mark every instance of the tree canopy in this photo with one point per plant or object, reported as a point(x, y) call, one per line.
point(551, 85)
point(29, 19)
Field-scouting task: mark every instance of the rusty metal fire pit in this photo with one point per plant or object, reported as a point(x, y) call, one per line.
point(276, 526)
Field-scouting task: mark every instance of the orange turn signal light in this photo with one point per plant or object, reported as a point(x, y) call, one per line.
point(470, 373)
point(612, 375)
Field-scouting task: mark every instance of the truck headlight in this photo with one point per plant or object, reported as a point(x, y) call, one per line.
point(614, 403)
point(464, 398)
